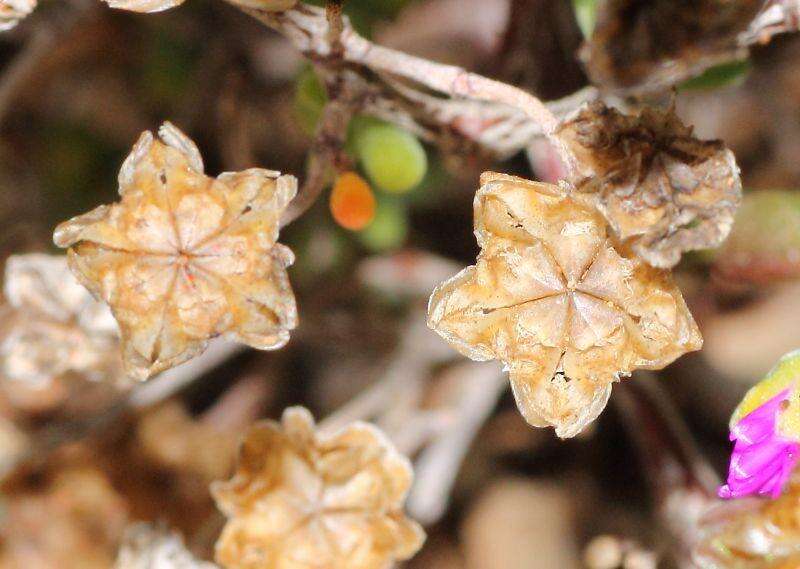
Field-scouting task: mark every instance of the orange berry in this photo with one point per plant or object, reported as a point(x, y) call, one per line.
point(352, 202)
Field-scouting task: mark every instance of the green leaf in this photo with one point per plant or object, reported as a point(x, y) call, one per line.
point(309, 100)
point(389, 229)
point(724, 74)
point(764, 244)
point(586, 15)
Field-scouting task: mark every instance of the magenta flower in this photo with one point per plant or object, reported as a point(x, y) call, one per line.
point(762, 458)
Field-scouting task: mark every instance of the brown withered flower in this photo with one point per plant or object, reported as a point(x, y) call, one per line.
point(302, 498)
point(185, 257)
point(752, 533)
point(650, 45)
point(556, 301)
point(53, 329)
point(660, 188)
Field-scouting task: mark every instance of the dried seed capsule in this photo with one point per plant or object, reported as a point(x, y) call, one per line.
point(146, 547)
point(54, 329)
point(650, 46)
point(184, 257)
point(302, 499)
point(751, 533)
point(662, 190)
point(556, 301)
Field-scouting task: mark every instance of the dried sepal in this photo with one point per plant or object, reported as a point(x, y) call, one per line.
point(53, 327)
point(13, 11)
point(556, 301)
point(146, 547)
point(752, 533)
point(651, 45)
point(184, 257)
point(302, 498)
point(661, 189)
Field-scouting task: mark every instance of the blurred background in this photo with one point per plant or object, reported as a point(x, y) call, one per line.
point(79, 82)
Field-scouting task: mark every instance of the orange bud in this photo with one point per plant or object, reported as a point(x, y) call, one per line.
point(352, 202)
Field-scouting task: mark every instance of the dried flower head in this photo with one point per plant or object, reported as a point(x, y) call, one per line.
point(184, 257)
point(301, 499)
point(658, 186)
point(54, 327)
point(145, 547)
point(752, 533)
point(650, 45)
point(766, 431)
point(553, 298)
point(12, 11)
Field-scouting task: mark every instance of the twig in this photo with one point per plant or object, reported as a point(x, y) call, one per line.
point(776, 17)
point(406, 370)
point(170, 382)
point(448, 79)
point(307, 28)
point(333, 12)
point(437, 466)
point(325, 151)
point(45, 38)
point(24, 66)
point(682, 481)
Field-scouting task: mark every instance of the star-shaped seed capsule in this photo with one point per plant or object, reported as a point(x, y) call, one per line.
point(183, 257)
point(305, 499)
point(558, 304)
point(52, 332)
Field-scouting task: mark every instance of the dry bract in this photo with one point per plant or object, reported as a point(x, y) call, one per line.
point(12, 11)
point(659, 187)
point(303, 499)
point(184, 257)
point(555, 300)
point(54, 327)
point(752, 533)
point(650, 45)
